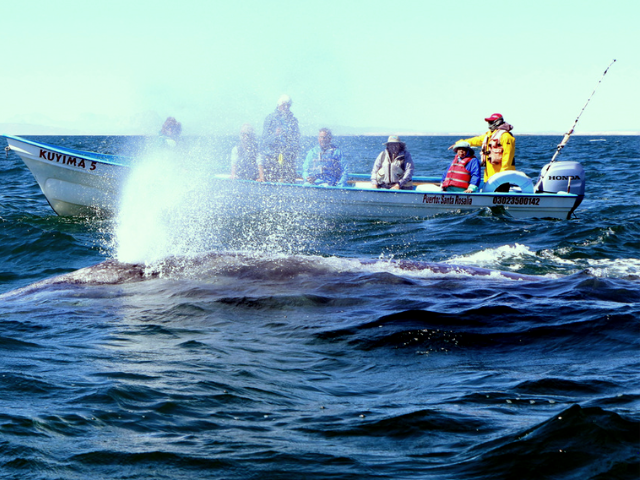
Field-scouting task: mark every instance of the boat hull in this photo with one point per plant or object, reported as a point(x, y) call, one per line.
point(85, 183)
point(74, 183)
point(353, 202)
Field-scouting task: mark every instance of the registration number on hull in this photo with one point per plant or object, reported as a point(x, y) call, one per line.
point(516, 201)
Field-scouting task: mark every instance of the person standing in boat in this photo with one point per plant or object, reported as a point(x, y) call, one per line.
point(324, 164)
point(463, 175)
point(498, 146)
point(280, 143)
point(170, 131)
point(246, 161)
point(394, 166)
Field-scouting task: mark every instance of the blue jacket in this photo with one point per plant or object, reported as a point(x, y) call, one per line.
point(326, 166)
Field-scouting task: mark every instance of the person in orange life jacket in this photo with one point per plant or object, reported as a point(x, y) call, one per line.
point(280, 143)
point(498, 146)
point(463, 175)
point(246, 161)
point(394, 166)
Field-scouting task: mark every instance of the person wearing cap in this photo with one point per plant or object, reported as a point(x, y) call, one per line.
point(463, 175)
point(246, 161)
point(280, 143)
point(498, 146)
point(394, 166)
point(324, 164)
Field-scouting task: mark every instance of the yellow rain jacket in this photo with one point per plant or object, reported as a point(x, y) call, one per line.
point(488, 142)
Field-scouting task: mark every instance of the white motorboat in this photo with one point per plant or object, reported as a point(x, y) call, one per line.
point(80, 183)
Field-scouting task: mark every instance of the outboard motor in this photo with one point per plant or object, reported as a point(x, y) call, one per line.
point(558, 177)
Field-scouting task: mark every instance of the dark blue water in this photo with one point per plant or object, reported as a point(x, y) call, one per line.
point(323, 349)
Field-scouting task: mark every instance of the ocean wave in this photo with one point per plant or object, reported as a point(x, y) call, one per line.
point(286, 347)
point(492, 257)
point(618, 268)
point(576, 443)
point(564, 260)
point(498, 328)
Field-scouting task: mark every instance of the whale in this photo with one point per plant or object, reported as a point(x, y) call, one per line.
point(252, 265)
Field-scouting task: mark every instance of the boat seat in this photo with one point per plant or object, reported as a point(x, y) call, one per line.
point(366, 185)
point(428, 187)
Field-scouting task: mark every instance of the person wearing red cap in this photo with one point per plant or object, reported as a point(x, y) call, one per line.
point(498, 146)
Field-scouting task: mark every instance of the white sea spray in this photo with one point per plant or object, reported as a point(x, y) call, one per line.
point(163, 209)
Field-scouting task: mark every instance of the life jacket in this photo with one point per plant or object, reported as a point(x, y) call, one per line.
point(391, 171)
point(326, 163)
point(458, 175)
point(492, 149)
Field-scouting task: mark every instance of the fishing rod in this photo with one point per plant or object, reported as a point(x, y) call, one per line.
point(565, 139)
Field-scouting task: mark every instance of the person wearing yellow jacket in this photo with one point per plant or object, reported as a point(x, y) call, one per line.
point(498, 146)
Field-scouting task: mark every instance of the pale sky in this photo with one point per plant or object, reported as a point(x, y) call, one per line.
point(122, 67)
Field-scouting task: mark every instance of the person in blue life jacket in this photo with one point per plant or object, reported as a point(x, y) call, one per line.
point(246, 160)
point(324, 164)
point(170, 132)
point(280, 143)
point(463, 175)
point(393, 167)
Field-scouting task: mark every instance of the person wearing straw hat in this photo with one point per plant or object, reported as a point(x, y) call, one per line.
point(280, 143)
point(246, 161)
point(498, 146)
point(393, 167)
point(463, 175)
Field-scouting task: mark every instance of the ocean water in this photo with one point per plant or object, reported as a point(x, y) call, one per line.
point(281, 346)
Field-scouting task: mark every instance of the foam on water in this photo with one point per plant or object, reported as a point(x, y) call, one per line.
point(516, 257)
point(513, 255)
point(621, 267)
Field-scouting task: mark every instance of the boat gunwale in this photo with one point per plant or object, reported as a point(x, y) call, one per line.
point(105, 158)
point(225, 177)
